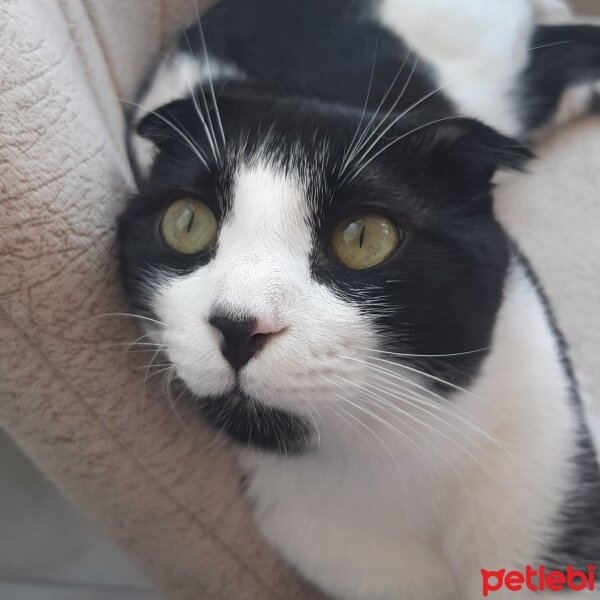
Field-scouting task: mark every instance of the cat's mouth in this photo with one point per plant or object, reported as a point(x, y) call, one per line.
point(251, 423)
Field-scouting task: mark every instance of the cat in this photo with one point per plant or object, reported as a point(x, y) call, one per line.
point(314, 243)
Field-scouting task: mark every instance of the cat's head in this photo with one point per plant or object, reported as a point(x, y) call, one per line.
point(292, 251)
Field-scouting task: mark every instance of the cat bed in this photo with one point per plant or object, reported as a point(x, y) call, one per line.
point(74, 396)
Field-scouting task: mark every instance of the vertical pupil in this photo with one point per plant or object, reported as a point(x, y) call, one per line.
point(361, 239)
point(191, 221)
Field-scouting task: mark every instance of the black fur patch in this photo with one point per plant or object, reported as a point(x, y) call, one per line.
point(313, 75)
point(562, 56)
point(441, 289)
point(332, 50)
point(253, 424)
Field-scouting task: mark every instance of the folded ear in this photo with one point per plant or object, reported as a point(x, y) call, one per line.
point(465, 152)
point(164, 123)
point(153, 130)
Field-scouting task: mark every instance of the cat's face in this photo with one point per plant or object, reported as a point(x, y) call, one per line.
point(279, 276)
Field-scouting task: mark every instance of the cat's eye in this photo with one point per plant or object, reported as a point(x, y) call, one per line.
point(189, 226)
point(365, 240)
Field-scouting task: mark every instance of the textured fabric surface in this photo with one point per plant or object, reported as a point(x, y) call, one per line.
point(157, 481)
point(160, 485)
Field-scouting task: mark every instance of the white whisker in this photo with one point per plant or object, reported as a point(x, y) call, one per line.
point(195, 100)
point(415, 105)
point(446, 406)
point(130, 315)
point(426, 390)
point(389, 112)
point(402, 434)
point(186, 138)
point(210, 80)
point(364, 110)
point(422, 423)
point(407, 355)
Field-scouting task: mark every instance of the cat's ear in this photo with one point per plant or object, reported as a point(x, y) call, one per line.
point(154, 129)
point(164, 123)
point(148, 132)
point(466, 151)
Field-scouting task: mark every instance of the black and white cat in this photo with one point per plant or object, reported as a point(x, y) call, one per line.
point(314, 237)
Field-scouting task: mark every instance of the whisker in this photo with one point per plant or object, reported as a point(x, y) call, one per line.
point(431, 428)
point(362, 165)
point(423, 407)
point(334, 409)
point(418, 372)
point(210, 80)
point(210, 134)
point(374, 415)
point(389, 112)
point(172, 402)
point(130, 315)
point(151, 344)
point(491, 405)
point(426, 97)
point(403, 435)
point(446, 407)
point(393, 464)
point(153, 366)
point(195, 99)
point(195, 149)
point(419, 421)
point(130, 345)
point(403, 355)
point(375, 434)
point(143, 350)
point(208, 128)
point(149, 375)
point(364, 111)
point(314, 420)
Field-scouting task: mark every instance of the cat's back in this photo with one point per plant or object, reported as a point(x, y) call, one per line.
point(337, 51)
point(467, 55)
point(391, 56)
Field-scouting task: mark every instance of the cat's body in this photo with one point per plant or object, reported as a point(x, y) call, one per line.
point(409, 424)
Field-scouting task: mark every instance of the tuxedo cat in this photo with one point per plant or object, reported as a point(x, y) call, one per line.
point(315, 242)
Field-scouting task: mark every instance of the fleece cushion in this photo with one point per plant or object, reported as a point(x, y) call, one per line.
point(71, 394)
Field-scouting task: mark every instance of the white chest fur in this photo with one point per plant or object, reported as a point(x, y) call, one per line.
point(379, 514)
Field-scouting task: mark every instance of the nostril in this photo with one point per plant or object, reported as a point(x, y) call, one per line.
point(243, 338)
point(264, 333)
point(259, 340)
point(265, 326)
point(263, 330)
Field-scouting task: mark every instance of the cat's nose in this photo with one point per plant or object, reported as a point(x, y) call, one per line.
point(243, 338)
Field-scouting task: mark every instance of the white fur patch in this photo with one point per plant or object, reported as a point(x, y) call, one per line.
point(405, 509)
point(261, 270)
point(408, 495)
point(478, 49)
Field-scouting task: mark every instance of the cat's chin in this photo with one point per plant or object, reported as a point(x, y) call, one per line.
point(251, 423)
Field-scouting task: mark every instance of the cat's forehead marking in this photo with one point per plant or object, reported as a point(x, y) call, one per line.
point(270, 211)
point(262, 258)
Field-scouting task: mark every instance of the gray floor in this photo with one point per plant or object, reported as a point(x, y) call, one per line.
point(49, 552)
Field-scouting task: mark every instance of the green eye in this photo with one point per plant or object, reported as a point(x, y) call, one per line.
point(364, 241)
point(189, 226)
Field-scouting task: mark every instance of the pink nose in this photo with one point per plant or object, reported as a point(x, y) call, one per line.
point(266, 326)
point(243, 338)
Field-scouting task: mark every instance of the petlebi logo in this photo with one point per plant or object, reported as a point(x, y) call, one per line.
point(539, 579)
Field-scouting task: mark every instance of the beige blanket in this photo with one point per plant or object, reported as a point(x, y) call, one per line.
point(75, 400)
